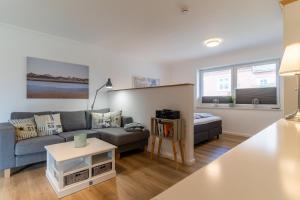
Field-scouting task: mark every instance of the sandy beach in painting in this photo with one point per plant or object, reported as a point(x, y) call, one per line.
point(43, 89)
point(56, 80)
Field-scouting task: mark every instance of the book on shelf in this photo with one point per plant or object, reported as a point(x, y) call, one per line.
point(165, 129)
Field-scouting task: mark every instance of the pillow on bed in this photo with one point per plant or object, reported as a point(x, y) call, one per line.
point(202, 115)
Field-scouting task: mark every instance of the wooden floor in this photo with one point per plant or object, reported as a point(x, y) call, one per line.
point(137, 176)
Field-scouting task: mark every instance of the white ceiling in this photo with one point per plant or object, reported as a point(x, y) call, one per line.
point(154, 30)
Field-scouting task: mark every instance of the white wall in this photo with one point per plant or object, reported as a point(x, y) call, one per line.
point(141, 104)
point(291, 23)
point(17, 43)
point(244, 122)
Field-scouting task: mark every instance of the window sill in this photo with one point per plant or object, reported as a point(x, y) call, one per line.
point(224, 106)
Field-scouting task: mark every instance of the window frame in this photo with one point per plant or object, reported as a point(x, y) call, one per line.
point(234, 69)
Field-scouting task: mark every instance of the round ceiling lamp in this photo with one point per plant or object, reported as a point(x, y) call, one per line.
point(213, 42)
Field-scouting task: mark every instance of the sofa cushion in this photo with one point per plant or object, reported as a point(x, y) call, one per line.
point(25, 128)
point(36, 145)
point(69, 136)
point(89, 116)
point(72, 121)
point(48, 124)
point(24, 115)
point(126, 120)
point(100, 120)
point(118, 136)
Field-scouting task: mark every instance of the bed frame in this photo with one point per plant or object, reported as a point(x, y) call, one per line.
point(208, 131)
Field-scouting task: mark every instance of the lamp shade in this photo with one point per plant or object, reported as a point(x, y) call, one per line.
point(290, 64)
point(108, 84)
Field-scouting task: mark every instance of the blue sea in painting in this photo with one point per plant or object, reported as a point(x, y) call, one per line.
point(44, 89)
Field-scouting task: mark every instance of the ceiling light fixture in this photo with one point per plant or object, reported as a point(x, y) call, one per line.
point(213, 42)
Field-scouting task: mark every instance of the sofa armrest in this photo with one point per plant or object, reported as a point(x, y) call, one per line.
point(126, 120)
point(7, 146)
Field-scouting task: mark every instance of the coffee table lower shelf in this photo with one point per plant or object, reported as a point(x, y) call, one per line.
point(77, 186)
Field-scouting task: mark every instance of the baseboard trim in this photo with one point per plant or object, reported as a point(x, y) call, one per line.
point(238, 134)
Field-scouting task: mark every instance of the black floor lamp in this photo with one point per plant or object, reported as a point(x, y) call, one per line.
point(108, 85)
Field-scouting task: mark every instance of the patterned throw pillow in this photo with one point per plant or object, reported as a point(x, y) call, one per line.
point(98, 121)
point(106, 120)
point(48, 124)
point(116, 118)
point(25, 128)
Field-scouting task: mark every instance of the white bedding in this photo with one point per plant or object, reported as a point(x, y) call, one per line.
point(206, 120)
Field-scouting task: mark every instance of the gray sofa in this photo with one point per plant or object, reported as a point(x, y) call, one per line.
point(24, 152)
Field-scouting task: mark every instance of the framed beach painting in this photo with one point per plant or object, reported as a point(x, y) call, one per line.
point(56, 80)
point(141, 82)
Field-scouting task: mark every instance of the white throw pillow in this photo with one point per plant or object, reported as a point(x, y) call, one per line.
point(116, 118)
point(97, 120)
point(48, 124)
point(25, 128)
point(106, 120)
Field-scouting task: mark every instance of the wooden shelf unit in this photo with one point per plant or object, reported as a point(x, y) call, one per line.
point(176, 135)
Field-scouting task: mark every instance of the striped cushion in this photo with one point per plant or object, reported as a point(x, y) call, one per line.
point(25, 128)
point(48, 124)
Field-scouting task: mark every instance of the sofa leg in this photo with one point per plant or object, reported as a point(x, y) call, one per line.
point(7, 173)
point(218, 136)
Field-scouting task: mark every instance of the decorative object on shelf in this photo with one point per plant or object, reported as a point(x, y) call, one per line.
point(107, 84)
point(142, 82)
point(231, 101)
point(171, 129)
point(56, 80)
point(80, 140)
point(290, 66)
point(167, 114)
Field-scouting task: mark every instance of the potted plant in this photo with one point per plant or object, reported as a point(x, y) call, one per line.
point(231, 101)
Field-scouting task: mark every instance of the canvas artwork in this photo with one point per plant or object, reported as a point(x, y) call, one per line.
point(141, 82)
point(56, 80)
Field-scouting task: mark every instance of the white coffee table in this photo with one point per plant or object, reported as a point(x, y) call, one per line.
point(71, 169)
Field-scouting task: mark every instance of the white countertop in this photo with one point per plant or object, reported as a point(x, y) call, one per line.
point(265, 167)
point(67, 151)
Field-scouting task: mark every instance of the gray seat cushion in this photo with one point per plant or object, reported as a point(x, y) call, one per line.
point(119, 137)
point(69, 136)
point(72, 121)
point(36, 144)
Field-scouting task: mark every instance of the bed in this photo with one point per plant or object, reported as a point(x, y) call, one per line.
point(206, 127)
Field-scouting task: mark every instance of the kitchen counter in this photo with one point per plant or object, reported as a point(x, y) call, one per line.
point(265, 167)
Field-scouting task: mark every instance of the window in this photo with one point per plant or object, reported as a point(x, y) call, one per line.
point(254, 83)
point(217, 83)
point(257, 76)
point(224, 85)
point(216, 86)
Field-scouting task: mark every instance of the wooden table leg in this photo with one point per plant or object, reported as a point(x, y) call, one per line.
point(181, 151)
point(153, 145)
point(175, 153)
point(7, 173)
point(159, 147)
